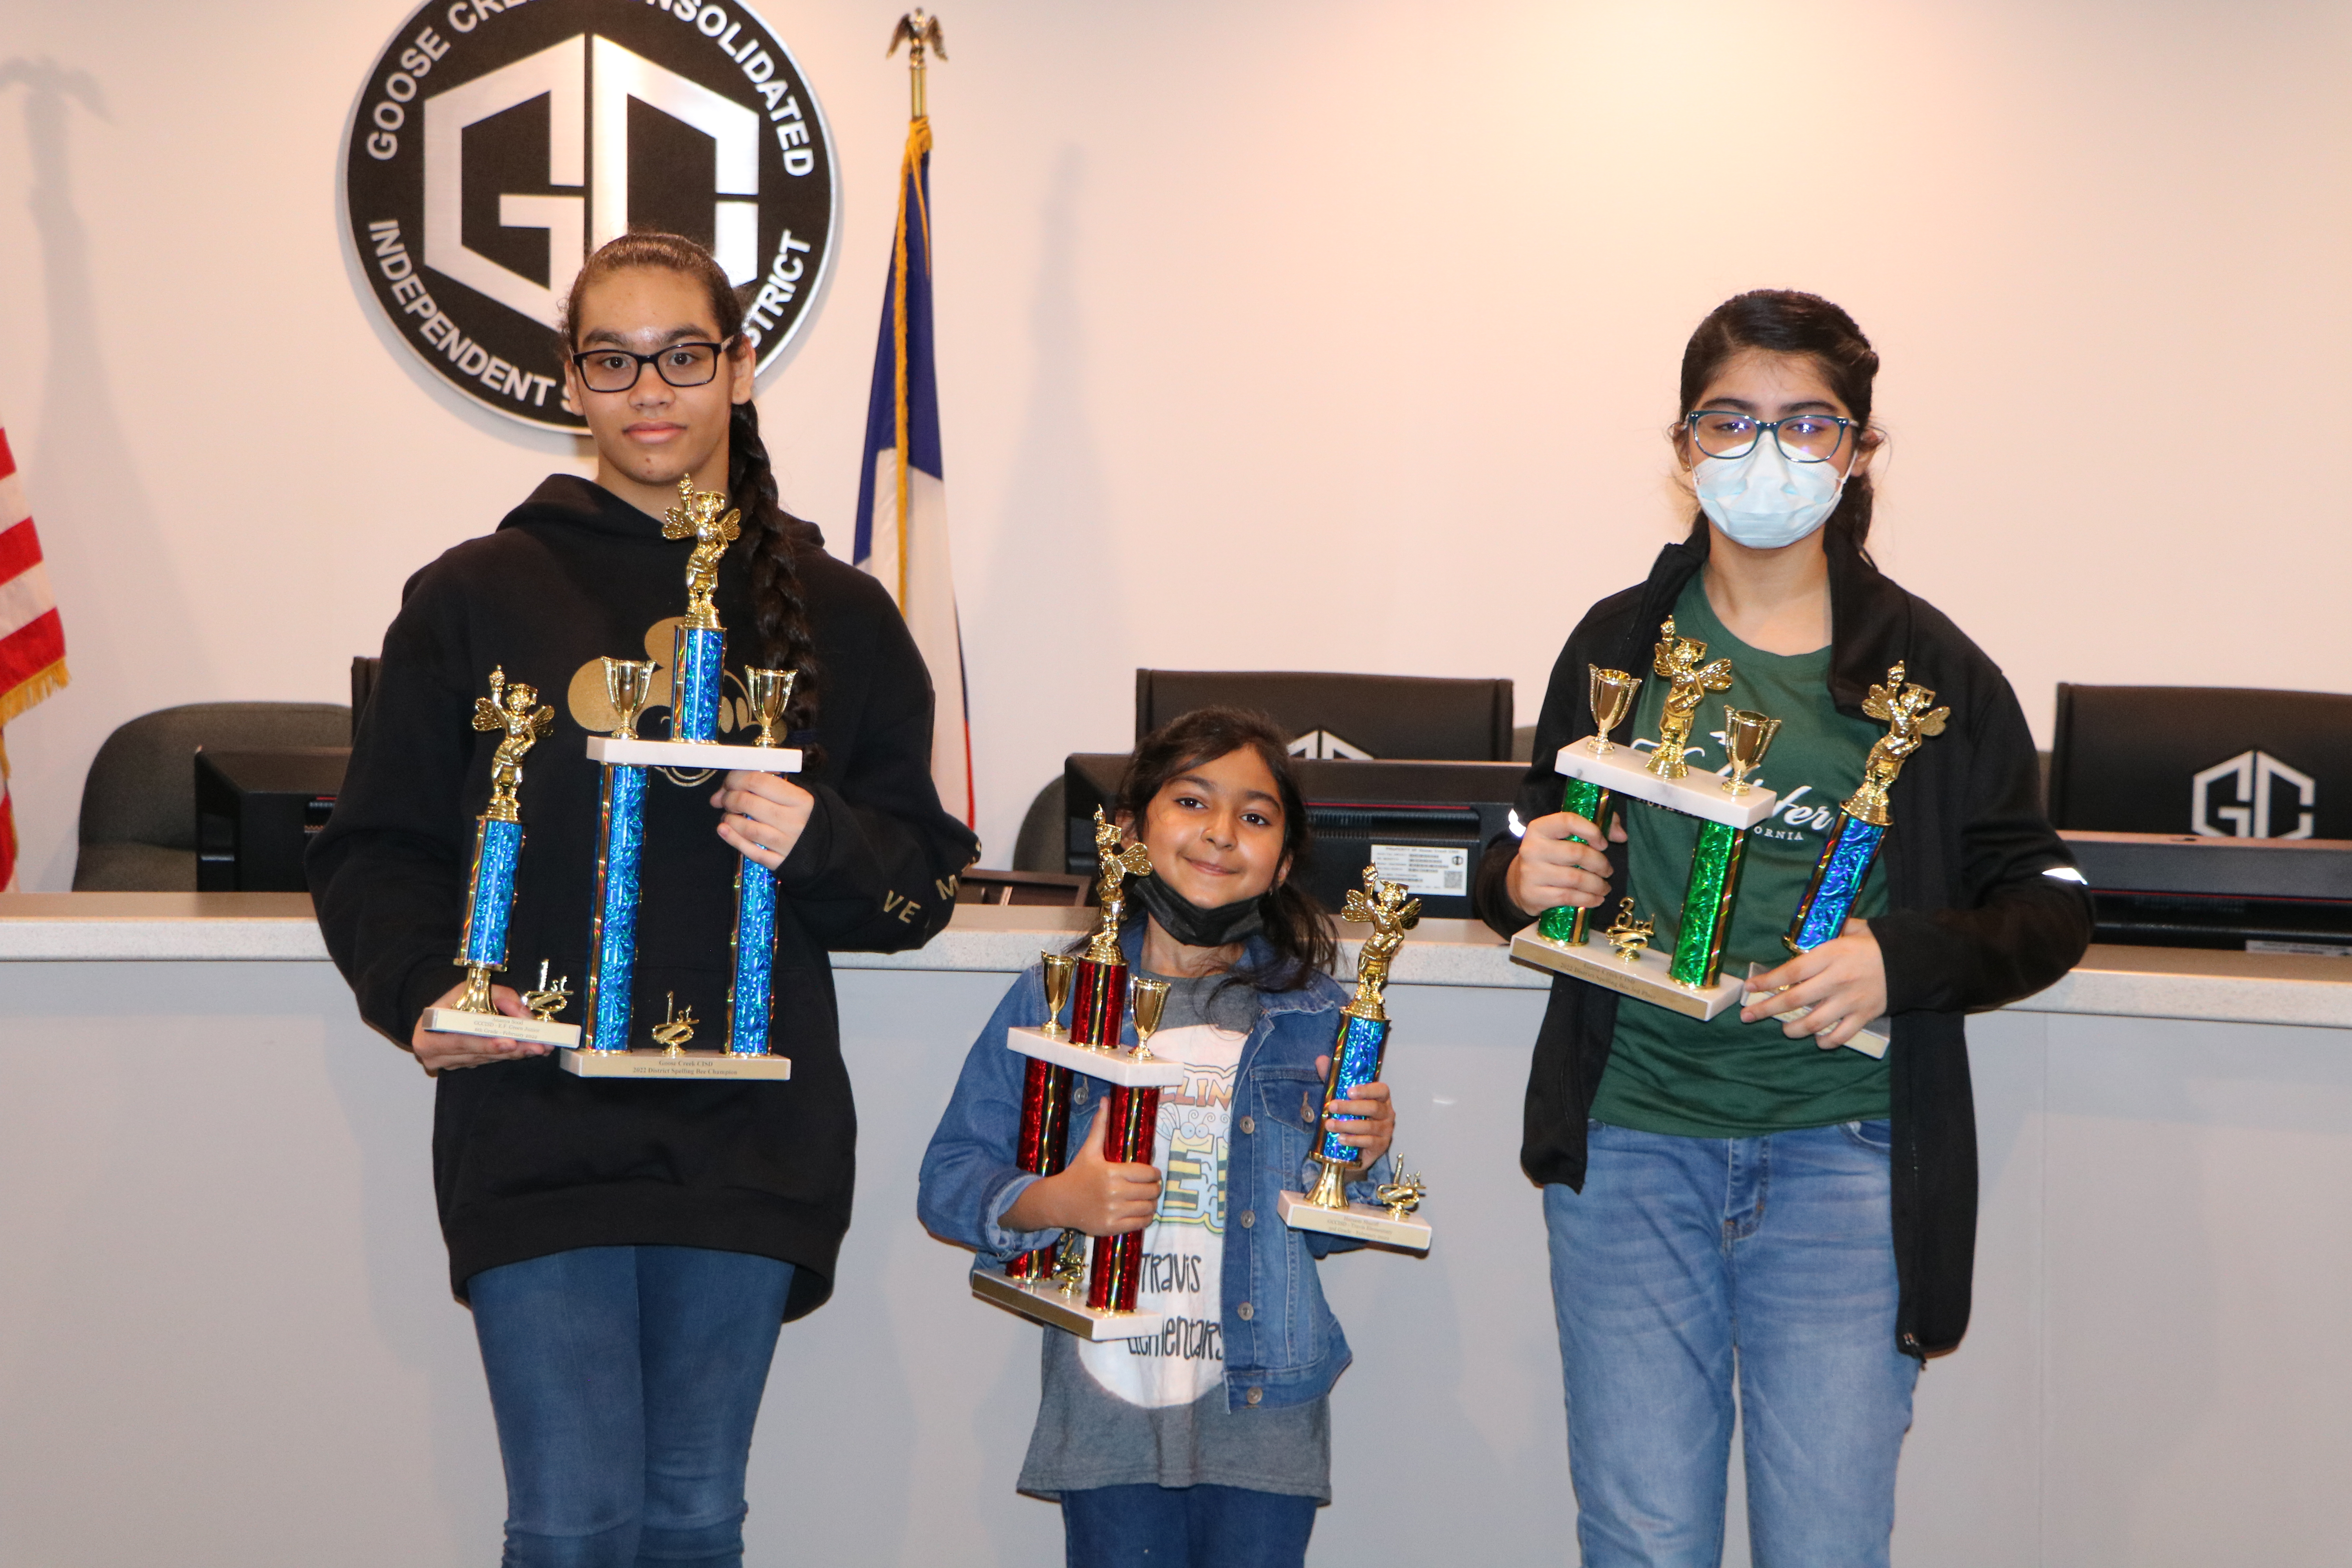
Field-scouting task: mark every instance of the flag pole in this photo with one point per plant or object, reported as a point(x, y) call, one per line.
point(919, 31)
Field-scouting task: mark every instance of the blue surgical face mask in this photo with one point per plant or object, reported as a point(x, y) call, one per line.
point(1763, 501)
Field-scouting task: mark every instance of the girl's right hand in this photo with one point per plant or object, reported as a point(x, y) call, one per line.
point(1092, 1194)
point(438, 1053)
point(1553, 869)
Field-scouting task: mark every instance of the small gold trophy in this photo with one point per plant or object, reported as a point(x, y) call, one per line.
point(1147, 997)
point(1613, 693)
point(771, 692)
point(1745, 738)
point(1055, 970)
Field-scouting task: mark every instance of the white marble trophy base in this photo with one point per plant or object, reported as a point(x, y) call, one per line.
point(1118, 1067)
point(694, 754)
point(1702, 795)
point(499, 1027)
point(1041, 1300)
point(1644, 977)
point(653, 1063)
point(1870, 1041)
point(1359, 1222)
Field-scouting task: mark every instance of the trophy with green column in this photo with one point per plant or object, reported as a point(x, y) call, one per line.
point(1690, 979)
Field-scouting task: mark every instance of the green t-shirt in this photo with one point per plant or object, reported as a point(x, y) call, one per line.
point(1668, 1073)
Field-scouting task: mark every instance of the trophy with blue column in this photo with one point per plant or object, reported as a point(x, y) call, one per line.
point(516, 715)
point(1356, 1057)
point(1911, 717)
point(1690, 979)
point(698, 660)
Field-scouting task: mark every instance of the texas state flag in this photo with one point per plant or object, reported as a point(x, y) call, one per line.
point(32, 639)
point(902, 506)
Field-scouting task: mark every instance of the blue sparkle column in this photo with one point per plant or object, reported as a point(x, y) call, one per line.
point(697, 655)
point(1911, 716)
point(1356, 1057)
point(613, 930)
point(750, 999)
point(1363, 1036)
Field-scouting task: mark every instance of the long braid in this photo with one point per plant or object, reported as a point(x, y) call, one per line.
point(780, 609)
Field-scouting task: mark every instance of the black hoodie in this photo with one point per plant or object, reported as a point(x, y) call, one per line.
point(1972, 921)
point(529, 1160)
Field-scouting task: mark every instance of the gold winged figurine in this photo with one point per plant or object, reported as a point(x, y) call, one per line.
point(1684, 662)
point(1910, 719)
point(697, 517)
point(1116, 866)
point(527, 721)
point(1384, 908)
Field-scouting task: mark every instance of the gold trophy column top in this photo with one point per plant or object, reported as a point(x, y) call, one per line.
point(1116, 866)
point(527, 721)
point(1684, 662)
point(1911, 718)
point(1384, 908)
point(697, 517)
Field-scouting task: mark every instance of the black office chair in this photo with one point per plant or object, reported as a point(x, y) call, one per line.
point(139, 799)
point(2225, 762)
point(1387, 717)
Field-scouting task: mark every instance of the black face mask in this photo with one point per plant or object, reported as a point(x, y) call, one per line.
point(1190, 925)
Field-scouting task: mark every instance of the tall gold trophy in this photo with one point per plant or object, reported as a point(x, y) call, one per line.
point(698, 664)
point(1690, 979)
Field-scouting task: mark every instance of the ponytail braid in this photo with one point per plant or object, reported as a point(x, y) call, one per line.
point(780, 609)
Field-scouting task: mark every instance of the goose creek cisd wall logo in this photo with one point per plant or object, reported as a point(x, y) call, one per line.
point(497, 143)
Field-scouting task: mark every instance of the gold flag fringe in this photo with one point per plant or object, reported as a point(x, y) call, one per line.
point(40, 685)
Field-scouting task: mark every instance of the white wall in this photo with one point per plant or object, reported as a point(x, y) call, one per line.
point(1325, 335)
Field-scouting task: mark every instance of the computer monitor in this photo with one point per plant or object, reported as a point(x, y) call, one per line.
point(256, 811)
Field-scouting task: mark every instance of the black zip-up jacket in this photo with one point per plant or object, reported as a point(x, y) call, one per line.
point(1971, 923)
point(527, 1159)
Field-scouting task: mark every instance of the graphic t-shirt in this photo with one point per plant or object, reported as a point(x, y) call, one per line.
point(1153, 1411)
point(1722, 1079)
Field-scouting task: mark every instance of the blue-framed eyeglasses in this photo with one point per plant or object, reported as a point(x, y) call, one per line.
point(1802, 438)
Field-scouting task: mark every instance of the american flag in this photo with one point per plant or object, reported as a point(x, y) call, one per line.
point(32, 639)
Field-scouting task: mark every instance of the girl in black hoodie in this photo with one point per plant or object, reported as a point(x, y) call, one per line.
point(628, 1248)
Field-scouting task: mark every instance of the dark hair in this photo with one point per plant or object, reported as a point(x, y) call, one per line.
point(779, 606)
point(1785, 321)
point(1296, 925)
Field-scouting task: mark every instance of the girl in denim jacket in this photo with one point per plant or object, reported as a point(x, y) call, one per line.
point(1209, 1443)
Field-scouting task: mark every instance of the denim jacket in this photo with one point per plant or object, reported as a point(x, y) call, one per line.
point(1282, 1346)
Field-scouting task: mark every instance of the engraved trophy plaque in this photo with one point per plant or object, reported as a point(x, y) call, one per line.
point(516, 715)
point(698, 663)
point(1690, 979)
point(1355, 1057)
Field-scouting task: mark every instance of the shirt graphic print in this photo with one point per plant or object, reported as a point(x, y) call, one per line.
point(1184, 1245)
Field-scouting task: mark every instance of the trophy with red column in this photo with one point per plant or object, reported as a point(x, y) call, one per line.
point(1045, 1284)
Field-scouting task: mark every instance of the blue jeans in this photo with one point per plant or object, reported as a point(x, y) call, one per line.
point(1185, 1527)
point(626, 1380)
point(1685, 1259)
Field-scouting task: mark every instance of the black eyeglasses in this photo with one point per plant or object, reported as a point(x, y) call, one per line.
point(680, 364)
point(1802, 438)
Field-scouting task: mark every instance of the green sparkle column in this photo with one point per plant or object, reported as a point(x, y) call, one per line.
point(1707, 903)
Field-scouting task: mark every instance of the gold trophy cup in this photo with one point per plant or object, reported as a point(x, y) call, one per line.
point(770, 691)
point(1057, 968)
point(1150, 998)
point(1613, 692)
point(1745, 738)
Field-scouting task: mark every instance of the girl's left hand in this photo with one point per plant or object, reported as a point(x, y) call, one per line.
point(1844, 981)
point(765, 814)
point(1374, 1131)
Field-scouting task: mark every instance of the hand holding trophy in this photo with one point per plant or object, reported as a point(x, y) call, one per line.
point(1689, 980)
point(1031, 1284)
point(697, 676)
point(1355, 1057)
